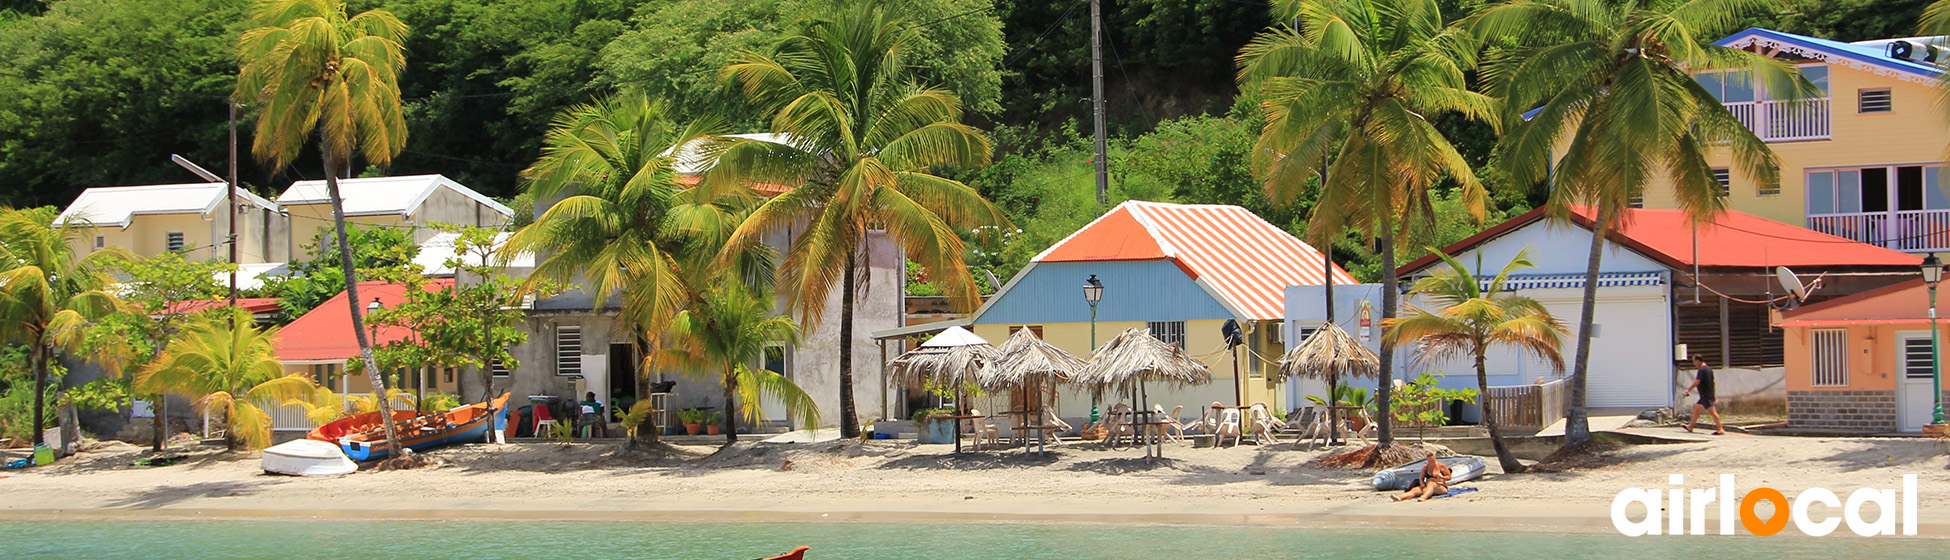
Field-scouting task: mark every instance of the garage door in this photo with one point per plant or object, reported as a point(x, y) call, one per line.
point(1631, 362)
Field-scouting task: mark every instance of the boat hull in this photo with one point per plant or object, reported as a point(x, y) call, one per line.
point(468, 423)
point(307, 457)
point(1462, 468)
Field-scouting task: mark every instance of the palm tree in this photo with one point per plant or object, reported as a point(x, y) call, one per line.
point(1351, 91)
point(227, 364)
point(308, 68)
point(1469, 318)
point(628, 226)
point(862, 136)
point(47, 296)
point(1607, 83)
point(724, 334)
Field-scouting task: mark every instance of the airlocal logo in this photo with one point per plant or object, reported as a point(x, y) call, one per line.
point(1677, 513)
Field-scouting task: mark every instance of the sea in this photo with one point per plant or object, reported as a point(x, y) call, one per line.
point(554, 540)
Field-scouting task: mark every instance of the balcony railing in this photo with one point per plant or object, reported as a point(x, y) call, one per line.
point(1785, 121)
point(1902, 230)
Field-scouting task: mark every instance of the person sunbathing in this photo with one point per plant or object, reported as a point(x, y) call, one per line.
point(1434, 482)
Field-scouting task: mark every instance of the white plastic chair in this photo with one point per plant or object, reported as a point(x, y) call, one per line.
point(1171, 421)
point(1228, 426)
point(1263, 425)
point(980, 429)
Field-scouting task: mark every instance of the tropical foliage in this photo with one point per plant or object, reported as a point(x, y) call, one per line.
point(158, 289)
point(472, 323)
point(1466, 316)
point(1347, 97)
point(860, 136)
point(228, 366)
point(48, 295)
point(1606, 84)
point(723, 336)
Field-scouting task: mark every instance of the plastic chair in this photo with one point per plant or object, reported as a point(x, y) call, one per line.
point(543, 419)
point(1172, 422)
point(981, 429)
point(1228, 426)
point(1263, 425)
point(1061, 427)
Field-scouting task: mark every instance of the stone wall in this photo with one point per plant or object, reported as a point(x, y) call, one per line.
point(1843, 411)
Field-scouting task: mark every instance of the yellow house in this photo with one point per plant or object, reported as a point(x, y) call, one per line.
point(149, 220)
point(1864, 161)
point(1181, 270)
point(409, 201)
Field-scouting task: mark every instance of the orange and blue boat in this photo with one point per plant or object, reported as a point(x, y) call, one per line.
point(363, 437)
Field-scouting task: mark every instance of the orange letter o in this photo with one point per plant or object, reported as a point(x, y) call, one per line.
point(1753, 523)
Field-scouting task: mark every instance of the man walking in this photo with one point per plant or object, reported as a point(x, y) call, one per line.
point(1707, 401)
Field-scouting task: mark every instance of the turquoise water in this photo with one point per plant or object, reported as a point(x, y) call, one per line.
point(554, 540)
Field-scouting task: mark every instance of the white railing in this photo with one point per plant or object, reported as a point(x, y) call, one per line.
point(1785, 121)
point(1902, 230)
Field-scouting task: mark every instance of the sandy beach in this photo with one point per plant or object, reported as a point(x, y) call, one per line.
point(891, 481)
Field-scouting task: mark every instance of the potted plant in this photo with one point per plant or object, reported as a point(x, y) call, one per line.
point(692, 419)
point(937, 425)
point(711, 422)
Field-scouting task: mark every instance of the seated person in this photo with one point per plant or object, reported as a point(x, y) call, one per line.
point(1434, 482)
point(592, 414)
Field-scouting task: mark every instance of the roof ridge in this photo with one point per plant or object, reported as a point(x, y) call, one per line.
point(1151, 228)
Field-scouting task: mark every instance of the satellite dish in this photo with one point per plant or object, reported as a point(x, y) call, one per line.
point(1792, 283)
point(1231, 332)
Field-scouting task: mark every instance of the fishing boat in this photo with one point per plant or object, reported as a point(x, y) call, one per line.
point(307, 457)
point(1462, 468)
point(364, 438)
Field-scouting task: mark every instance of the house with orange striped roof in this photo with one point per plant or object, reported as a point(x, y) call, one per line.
point(1181, 270)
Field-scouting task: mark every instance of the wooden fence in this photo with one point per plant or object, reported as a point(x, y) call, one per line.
point(1530, 407)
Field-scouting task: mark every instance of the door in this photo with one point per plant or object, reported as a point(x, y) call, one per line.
point(1914, 406)
point(774, 360)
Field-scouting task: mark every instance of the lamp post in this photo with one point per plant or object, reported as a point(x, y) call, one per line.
point(372, 334)
point(1093, 292)
point(1932, 273)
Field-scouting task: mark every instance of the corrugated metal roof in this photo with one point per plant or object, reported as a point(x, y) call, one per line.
point(439, 249)
point(325, 333)
point(1244, 261)
point(113, 206)
point(367, 196)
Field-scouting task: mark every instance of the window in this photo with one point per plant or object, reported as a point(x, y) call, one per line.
point(1876, 189)
point(498, 368)
point(1828, 357)
point(568, 350)
point(1033, 329)
point(1768, 189)
point(174, 242)
point(1873, 101)
point(325, 375)
point(100, 242)
point(775, 360)
point(447, 375)
point(1916, 358)
point(1722, 176)
point(1636, 200)
point(1170, 332)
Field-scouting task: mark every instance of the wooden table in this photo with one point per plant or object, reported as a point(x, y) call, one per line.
point(1150, 432)
point(1041, 431)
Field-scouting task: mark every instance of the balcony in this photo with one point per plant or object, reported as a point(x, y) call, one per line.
point(1785, 121)
point(1914, 231)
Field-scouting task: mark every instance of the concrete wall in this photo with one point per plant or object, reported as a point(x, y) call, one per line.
point(1735, 385)
point(446, 206)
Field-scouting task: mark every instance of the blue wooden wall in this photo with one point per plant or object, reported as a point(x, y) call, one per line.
point(1155, 290)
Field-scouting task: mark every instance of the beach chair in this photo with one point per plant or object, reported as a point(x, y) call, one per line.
point(1051, 419)
point(1263, 425)
point(543, 421)
point(1206, 422)
point(980, 429)
point(1172, 422)
point(1228, 426)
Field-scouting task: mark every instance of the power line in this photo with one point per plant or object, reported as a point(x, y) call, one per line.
point(1046, 33)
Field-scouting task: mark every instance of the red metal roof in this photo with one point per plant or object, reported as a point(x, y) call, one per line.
point(325, 333)
point(1732, 240)
point(1245, 261)
point(767, 190)
point(253, 305)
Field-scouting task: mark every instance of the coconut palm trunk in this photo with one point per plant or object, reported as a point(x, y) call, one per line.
point(41, 356)
point(1390, 301)
point(346, 266)
point(730, 393)
point(1503, 456)
point(849, 424)
point(1577, 425)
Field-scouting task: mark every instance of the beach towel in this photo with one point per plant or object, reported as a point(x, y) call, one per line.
point(1456, 491)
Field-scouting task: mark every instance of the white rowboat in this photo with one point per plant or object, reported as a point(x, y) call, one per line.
point(306, 457)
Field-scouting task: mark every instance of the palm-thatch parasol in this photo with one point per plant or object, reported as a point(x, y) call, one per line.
point(1135, 358)
point(1331, 353)
point(950, 360)
point(1027, 363)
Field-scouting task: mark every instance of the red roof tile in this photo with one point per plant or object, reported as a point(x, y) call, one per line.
point(325, 333)
point(253, 305)
point(1245, 261)
point(1732, 240)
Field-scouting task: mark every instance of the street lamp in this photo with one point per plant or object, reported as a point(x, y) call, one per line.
point(372, 329)
point(1933, 273)
point(1093, 292)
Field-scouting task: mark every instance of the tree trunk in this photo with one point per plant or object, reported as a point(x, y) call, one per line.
point(1577, 427)
point(649, 425)
point(1384, 429)
point(730, 388)
point(849, 425)
point(40, 358)
point(346, 266)
point(1503, 456)
point(158, 424)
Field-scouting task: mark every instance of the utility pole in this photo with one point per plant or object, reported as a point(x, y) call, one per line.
point(232, 192)
point(1097, 98)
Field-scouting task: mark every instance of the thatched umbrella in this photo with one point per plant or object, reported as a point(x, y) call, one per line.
point(1135, 358)
point(1029, 364)
point(950, 360)
point(1330, 353)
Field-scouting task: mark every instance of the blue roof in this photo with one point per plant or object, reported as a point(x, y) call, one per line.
point(1860, 53)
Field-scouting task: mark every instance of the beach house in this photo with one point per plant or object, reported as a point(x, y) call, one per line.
point(1181, 270)
point(1862, 160)
point(1862, 363)
point(1667, 287)
point(150, 220)
point(408, 201)
point(319, 342)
